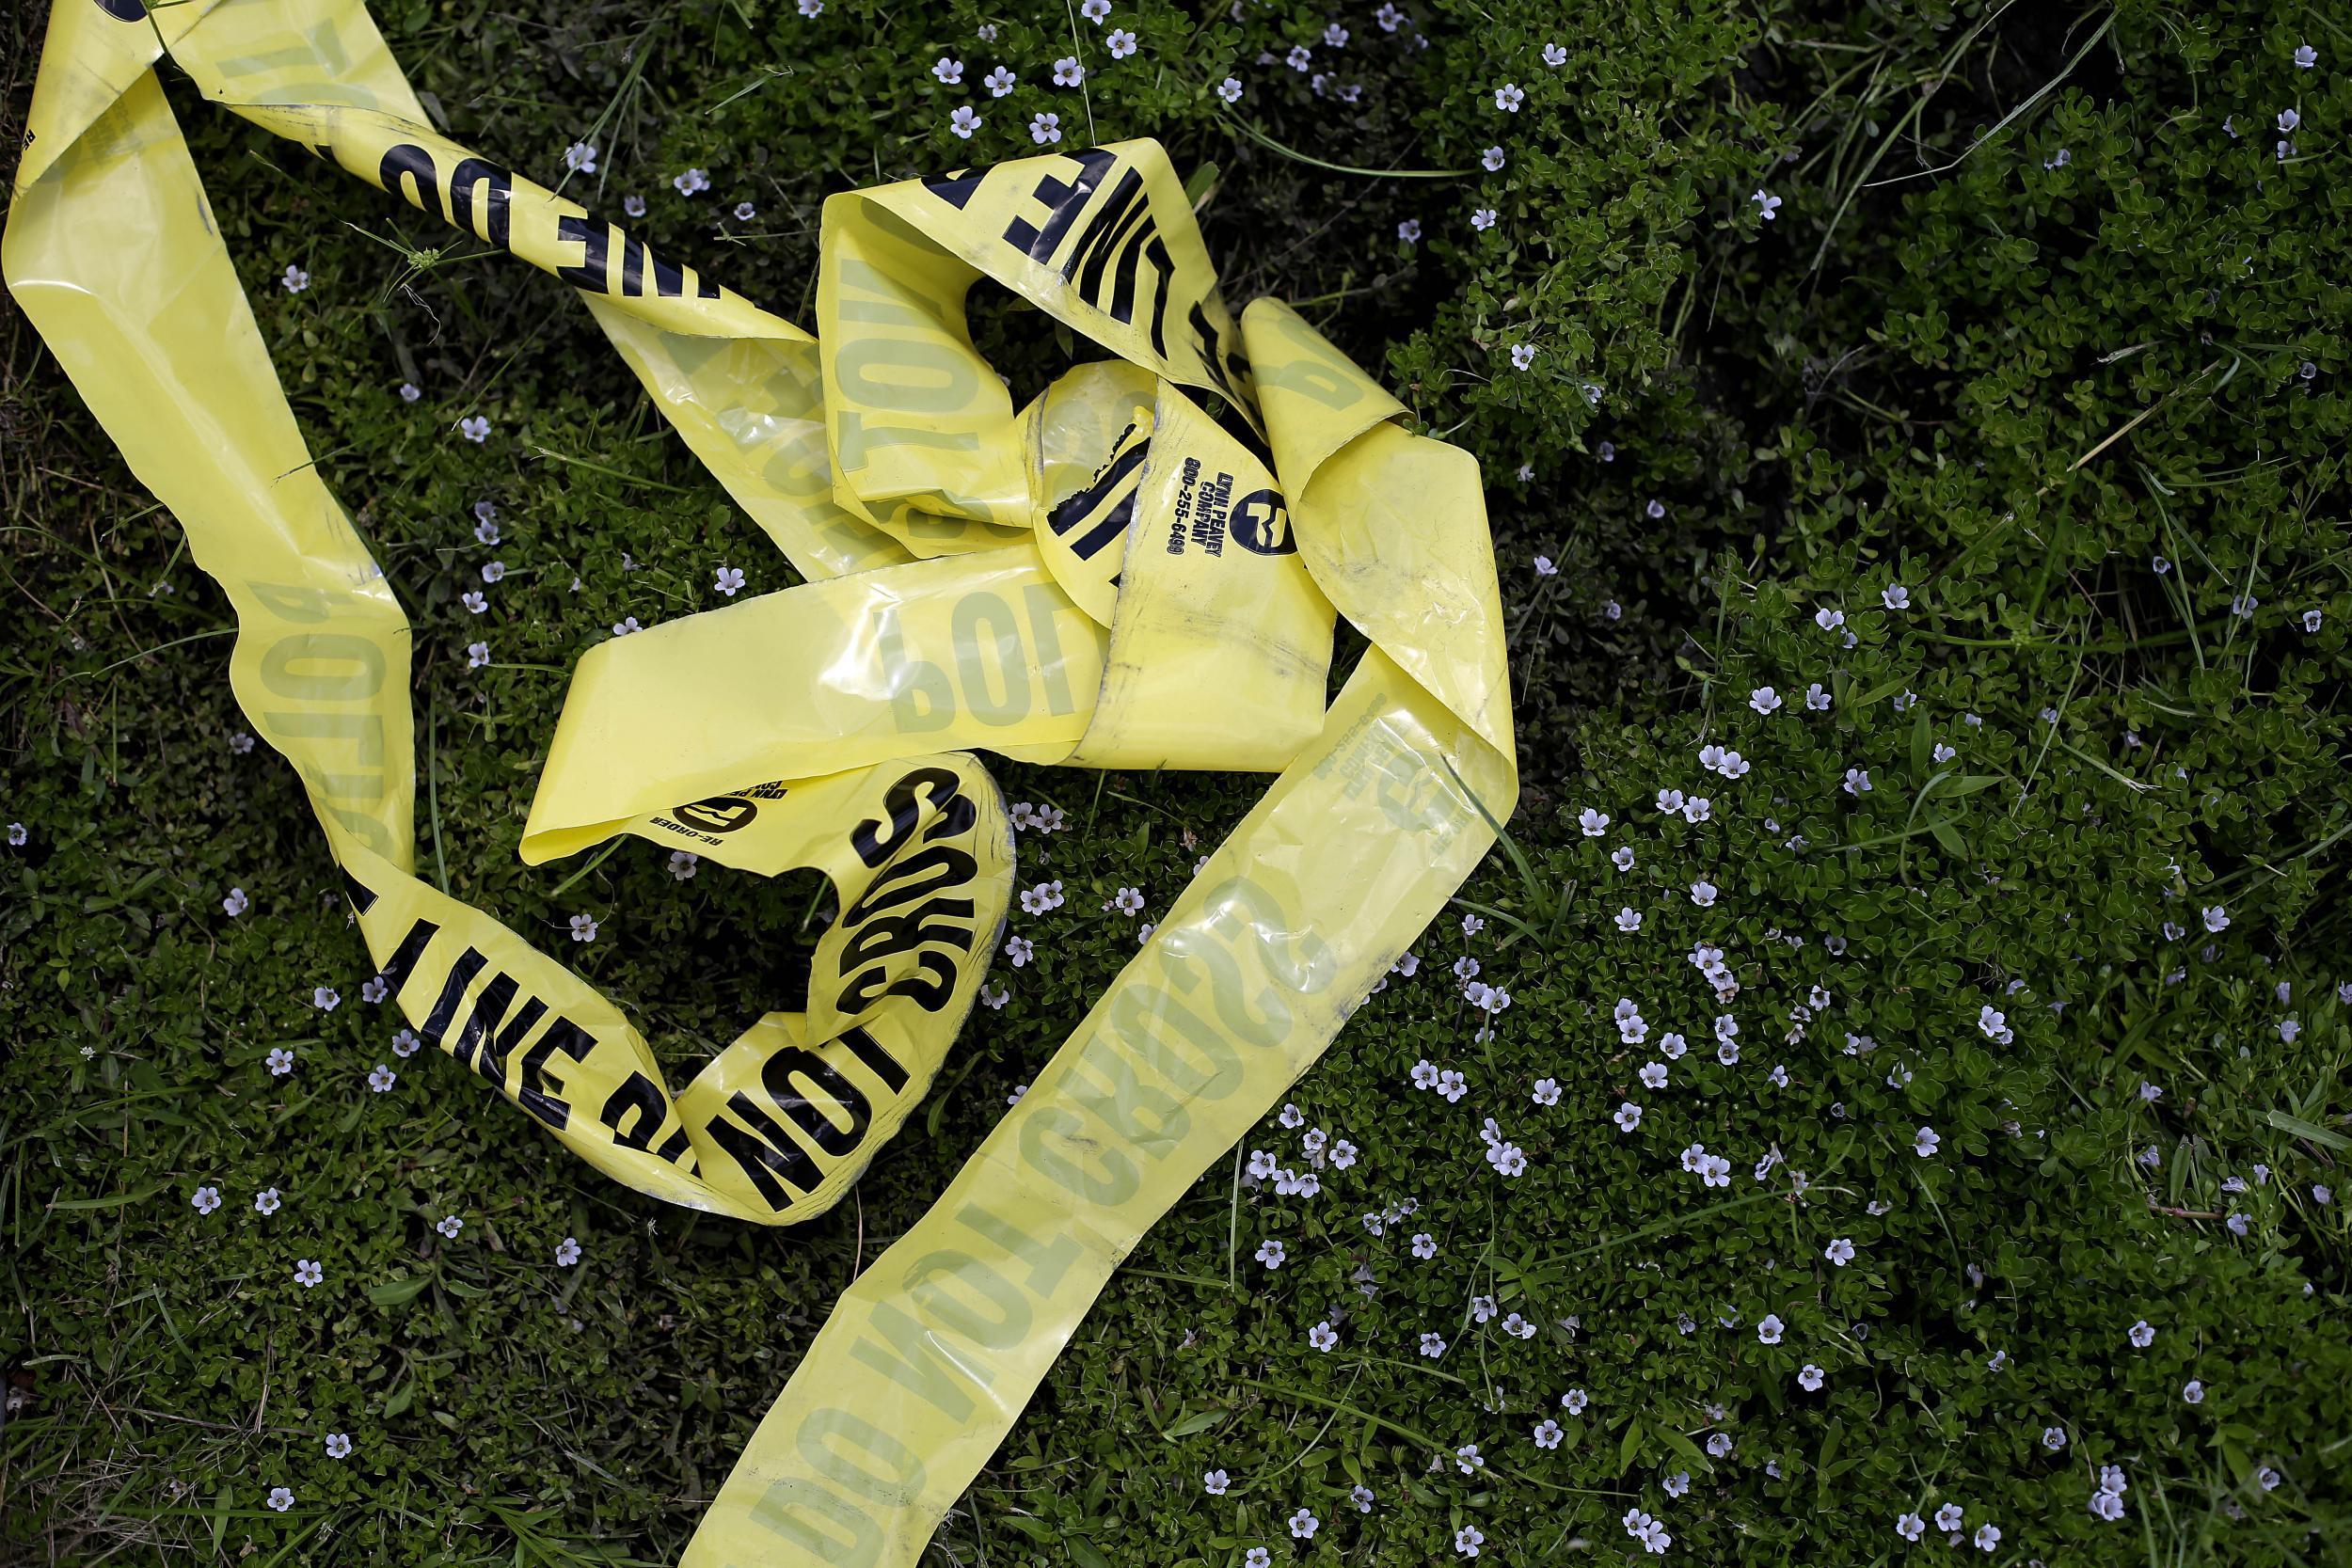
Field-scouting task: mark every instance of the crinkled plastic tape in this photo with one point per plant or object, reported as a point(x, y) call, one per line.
point(1107, 577)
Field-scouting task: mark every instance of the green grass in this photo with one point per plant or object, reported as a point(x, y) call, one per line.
point(1951, 360)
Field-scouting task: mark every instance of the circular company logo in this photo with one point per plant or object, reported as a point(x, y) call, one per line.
point(1260, 524)
point(721, 814)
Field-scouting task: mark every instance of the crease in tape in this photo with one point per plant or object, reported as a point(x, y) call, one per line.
point(1105, 579)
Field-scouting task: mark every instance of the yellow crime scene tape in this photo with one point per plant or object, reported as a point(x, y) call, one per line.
point(1104, 578)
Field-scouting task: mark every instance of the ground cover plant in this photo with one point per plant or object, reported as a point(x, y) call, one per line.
point(1887, 1099)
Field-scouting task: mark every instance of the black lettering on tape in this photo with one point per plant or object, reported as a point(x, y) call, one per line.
point(534, 1090)
point(1063, 200)
point(498, 187)
point(765, 1153)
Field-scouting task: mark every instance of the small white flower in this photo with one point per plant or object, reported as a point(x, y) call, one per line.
point(634, 206)
point(580, 158)
point(267, 1201)
point(1482, 220)
point(281, 1498)
point(567, 1252)
point(1574, 1401)
point(948, 70)
point(1628, 919)
point(1323, 1337)
point(1594, 823)
point(1769, 1331)
point(999, 82)
point(694, 180)
point(295, 278)
point(474, 428)
point(411, 392)
point(1827, 619)
point(1230, 89)
point(963, 121)
point(1214, 1483)
point(449, 1226)
point(1839, 1251)
point(1492, 158)
point(1554, 55)
point(1432, 1346)
point(1068, 72)
point(1896, 597)
point(1988, 1537)
point(1508, 98)
point(1271, 1253)
point(583, 928)
point(325, 999)
point(206, 1200)
point(308, 1272)
point(338, 1445)
point(1044, 129)
point(728, 580)
point(1925, 1142)
point(1810, 1378)
point(2142, 1335)
point(280, 1061)
point(2305, 56)
point(381, 1078)
point(1522, 356)
point(1120, 43)
point(1767, 204)
point(236, 903)
point(1629, 1117)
